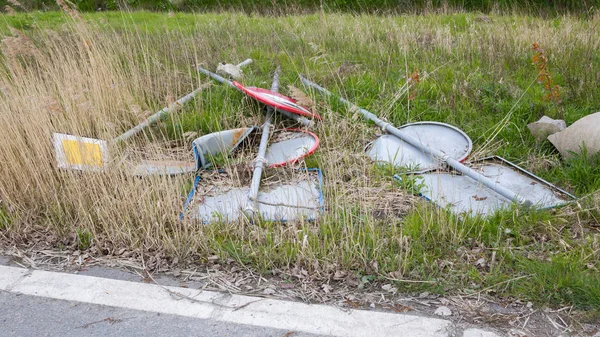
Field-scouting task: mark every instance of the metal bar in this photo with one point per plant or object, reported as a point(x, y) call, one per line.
point(260, 160)
point(244, 63)
point(217, 78)
point(440, 156)
point(299, 119)
point(167, 110)
point(158, 115)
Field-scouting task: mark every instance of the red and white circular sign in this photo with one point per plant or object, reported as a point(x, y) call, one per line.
point(289, 146)
point(277, 101)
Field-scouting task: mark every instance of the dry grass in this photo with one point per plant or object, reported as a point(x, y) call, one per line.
point(98, 77)
point(73, 82)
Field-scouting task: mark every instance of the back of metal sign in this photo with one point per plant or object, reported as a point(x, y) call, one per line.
point(218, 142)
point(289, 146)
point(166, 167)
point(277, 100)
point(439, 136)
point(291, 198)
point(463, 195)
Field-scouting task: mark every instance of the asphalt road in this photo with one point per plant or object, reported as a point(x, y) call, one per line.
point(22, 315)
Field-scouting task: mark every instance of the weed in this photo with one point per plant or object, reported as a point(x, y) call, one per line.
point(560, 281)
point(84, 239)
point(5, 219)
point(540, 61)
point(411, 183)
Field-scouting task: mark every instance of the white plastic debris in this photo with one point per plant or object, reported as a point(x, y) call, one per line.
point(443, 311)
point(583, 133)
point(269, 291)
point(389, 288)
point(229, 70)
point(517, 333)
point(545, 127)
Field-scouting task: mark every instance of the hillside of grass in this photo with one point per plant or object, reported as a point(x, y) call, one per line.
point(98, 74)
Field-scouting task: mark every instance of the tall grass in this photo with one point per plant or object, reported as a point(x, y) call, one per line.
point(73, 82)
point(100, 74)
point(373, 6)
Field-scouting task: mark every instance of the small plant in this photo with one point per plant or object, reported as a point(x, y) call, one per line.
point(4, 218)
point(365, 280)
point(412, 81)
point(84, 239)
point(540, 61)
point(411, 183)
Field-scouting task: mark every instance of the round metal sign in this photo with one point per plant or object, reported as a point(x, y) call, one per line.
point(288, 146)
point(434, 135)
point(276, 100)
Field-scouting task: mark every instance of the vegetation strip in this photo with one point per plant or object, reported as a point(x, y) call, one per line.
point(101, 74)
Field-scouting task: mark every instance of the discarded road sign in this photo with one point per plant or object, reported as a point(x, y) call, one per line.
point(279, 201)
point(80, 153)
point(425, 147)
point(276, 100)
point(447, 138)
point(293, 195)
point(218, 142)
point(463, 195)
point(289, 146)
point(164, 167)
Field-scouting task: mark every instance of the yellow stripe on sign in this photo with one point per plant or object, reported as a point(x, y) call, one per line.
point(81, 153)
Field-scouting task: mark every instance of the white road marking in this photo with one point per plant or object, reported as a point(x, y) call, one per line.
point(277, 314)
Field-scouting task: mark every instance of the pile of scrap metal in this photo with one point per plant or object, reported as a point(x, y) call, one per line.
point(283, 199)
point(294, 194)
point(435, 152)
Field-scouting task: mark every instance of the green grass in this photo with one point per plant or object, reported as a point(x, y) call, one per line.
point(474, 74)
point(564, 280)
point(84, 239)
point(581, 173)
point(5, 220)
point(377, 6)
